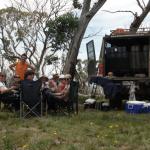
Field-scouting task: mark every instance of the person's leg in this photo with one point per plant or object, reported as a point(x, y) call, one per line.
point(14, 100)
point(51, 100)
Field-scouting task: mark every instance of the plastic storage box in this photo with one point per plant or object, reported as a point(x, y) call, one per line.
point(135, 106)
point(146, 108)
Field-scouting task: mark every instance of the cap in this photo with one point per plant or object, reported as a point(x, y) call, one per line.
point(67, 76)
point(44, 78)
point(55, 75)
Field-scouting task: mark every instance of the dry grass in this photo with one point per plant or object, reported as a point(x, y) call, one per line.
point(90, 130)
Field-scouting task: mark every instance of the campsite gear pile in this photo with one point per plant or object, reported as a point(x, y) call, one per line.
point(93, 104)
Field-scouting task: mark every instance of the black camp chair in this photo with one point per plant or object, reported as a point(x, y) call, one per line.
point(30, 99)
point(72, 104)
point(10, 100)
point(59, 105)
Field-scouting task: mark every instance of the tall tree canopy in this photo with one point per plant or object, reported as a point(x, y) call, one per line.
point(36, 32)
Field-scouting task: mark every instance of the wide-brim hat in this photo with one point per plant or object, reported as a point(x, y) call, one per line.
point(55, 75)
point(62, 76)
point(68, 76)
point(43, 77)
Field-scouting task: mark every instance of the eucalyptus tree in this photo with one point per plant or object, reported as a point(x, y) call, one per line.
point(35, 31)
point(88, 9)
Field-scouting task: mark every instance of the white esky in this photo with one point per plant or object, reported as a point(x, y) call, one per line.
point(103, 22)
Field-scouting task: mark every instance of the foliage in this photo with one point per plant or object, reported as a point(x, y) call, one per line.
point(61, 31)
point(50, 59)
point(77, 4)
point(37, 33)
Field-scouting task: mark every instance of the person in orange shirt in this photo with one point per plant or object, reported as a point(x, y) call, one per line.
point(19, 68)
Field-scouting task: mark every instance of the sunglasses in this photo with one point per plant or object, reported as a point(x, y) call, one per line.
point(16, 77)
point(67, 78)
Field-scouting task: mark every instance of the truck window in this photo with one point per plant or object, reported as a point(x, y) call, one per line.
point(116, 60)
point(139, 59)
point(135, 57)
point(145, 56)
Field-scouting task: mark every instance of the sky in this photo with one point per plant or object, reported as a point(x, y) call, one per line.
point(103, 22)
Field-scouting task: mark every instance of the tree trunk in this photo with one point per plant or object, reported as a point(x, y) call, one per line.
point(86, 15)
point(71, 60)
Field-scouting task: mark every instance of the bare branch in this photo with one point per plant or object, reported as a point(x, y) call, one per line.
point(137, 21)
point(95, 8)
point(140, 5)
point(144, 4)
point(92, 35)
point(126, 11)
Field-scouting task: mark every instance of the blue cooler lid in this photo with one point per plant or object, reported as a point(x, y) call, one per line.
point(136, 102)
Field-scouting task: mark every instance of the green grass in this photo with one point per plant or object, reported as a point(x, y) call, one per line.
point(89, 130)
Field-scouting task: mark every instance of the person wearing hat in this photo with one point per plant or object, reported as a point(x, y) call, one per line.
point(68, 76)
point(20, 67)
point(15, 81)
point(53, 83)
point(62, 83)
point(3, 88)
point(63, 94)
point(44, 80)
point(29, 75)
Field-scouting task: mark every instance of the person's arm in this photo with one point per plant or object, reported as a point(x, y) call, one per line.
point(6, 90)
point(53, 86)
point(66, 89)
point(12, 67)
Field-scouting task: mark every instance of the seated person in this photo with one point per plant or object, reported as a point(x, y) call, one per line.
point(16, 82)
point(62, 83)
point(53, 83)
point(29, 75)
point(110, 75)
point(7, 93)
point(45, 83)
point(3, 88)
point(62, 93)
point(64, 88)
point(31, 91)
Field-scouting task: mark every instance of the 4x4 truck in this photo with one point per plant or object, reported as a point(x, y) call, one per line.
point(127, 55)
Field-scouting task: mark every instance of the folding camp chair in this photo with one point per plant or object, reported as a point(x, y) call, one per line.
point(30, 99)
point(72, 104)
point(10, 101)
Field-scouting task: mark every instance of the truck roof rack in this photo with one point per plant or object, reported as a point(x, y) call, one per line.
point(127, 32)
